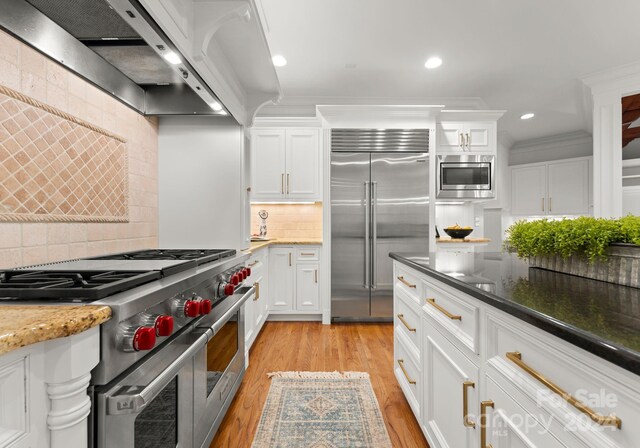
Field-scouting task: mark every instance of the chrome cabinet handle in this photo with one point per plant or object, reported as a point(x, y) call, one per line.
point(401, 278)
point(465, 404)
point(483, 423)
point(460, 140)
point(406, 375)
point(406, 324)
point(610, 420)
point(432, 302)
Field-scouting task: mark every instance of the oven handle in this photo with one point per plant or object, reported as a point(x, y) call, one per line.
point(134, 403)
point(233, 310)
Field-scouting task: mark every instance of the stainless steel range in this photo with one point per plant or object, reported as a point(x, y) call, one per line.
point(172, 355)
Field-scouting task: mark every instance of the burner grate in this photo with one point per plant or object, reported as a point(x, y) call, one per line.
point(201, 256)
point(85, 285)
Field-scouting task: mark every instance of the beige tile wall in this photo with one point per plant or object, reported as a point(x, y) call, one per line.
point(289, 220)
point(27, 71)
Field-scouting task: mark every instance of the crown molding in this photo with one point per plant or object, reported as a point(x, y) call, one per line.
point(471, 115)
point(288, 122)
point(557, 141)
point(383, 116)
point(621, 79)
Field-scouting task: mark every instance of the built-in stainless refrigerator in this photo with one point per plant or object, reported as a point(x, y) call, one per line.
point(379, 204)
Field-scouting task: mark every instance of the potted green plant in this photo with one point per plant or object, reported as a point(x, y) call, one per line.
point(597, 248)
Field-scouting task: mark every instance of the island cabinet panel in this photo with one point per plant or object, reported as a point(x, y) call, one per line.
point(538, 390)
point(450, 391)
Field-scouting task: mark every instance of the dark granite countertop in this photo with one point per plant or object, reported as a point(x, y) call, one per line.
point(602, 318)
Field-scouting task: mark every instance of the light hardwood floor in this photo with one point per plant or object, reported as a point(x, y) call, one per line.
point(293, 346)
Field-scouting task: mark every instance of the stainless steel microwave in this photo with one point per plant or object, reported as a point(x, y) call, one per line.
point(465, 176)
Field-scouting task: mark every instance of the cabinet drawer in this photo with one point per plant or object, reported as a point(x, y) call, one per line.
point(408, 281)
point(407, 321)
point(455, 312)
point(540, 367)
point(307, 253)
point(408, 374)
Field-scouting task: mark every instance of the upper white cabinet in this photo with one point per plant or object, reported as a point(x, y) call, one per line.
point(285, 164)
point(554, 188)
point(459, 136)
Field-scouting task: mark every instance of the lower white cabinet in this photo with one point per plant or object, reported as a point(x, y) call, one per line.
point(43, 392)
point(500, 395)
point(450, 391)
point(257, 309)
point(294, 273)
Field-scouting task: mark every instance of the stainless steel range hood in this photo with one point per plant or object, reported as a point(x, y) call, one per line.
point(132, 60)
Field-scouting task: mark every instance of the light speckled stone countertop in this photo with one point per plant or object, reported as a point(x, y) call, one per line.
point(22, 325)
point(255, 245)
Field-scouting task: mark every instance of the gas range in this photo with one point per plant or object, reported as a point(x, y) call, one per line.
point(177, 328)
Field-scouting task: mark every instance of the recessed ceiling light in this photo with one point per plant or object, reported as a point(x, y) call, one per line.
point(279, 60)
point(215, 106)
point(433, 62)
point(527, 116)
point(172, 58)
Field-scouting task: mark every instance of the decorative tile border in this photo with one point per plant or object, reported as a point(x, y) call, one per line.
point(57, 167)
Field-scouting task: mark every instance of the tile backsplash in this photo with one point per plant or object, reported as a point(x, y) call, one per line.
point(289, 220)
point(32, 74)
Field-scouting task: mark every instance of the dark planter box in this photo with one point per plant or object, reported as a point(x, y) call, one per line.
point(622, 267)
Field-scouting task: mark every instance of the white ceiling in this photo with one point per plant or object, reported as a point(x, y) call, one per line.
point(518, 55)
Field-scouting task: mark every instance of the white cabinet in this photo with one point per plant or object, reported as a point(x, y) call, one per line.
point(294, 273)
point(450, 391)
point(528, 190)
point(554, 188)
point(285, 164)
point(307, 296)
point(281, 276)
point(256, 310)
point(461, 136)
point(507, 393)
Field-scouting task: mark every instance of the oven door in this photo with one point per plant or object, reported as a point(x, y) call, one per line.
point(152, 407)
point(220, 367)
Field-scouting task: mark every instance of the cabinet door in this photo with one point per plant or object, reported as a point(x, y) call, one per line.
point(303, 164)
point(481, 137)
point(528, 190)
point(282, 280)
point(450, 136)
point(249, 326)
point(257, 309)
point(268, 166)
point(569, 187)
point(307, 297)
point(448, 375)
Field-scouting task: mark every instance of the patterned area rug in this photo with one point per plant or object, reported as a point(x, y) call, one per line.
point(321, 410)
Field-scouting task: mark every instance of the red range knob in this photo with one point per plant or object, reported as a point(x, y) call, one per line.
point(248, 270)
point(234, 280)
point(144, 338)
point(192, 308)
point(229, 289)
point(242, 275)
point(205, 306)
point(164, 326)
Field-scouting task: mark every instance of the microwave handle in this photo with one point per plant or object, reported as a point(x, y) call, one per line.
point(133, 403)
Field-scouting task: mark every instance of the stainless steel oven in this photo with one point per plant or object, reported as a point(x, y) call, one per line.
point(465, 176)
point(177, 397)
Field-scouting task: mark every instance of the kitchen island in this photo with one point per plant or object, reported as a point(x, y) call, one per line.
point(46, 355)
point(489, 350)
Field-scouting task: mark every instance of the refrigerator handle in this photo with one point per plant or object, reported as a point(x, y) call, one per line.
point(374, 226)
point(367, 226)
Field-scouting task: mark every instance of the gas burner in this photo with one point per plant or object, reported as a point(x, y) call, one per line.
point(62, 285)
point(201, 256)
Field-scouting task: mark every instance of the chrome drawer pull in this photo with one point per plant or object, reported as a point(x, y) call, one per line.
point(406, 375)
point(406, 324)
point(401, 278)
point(610, 420)
point(433, 303)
